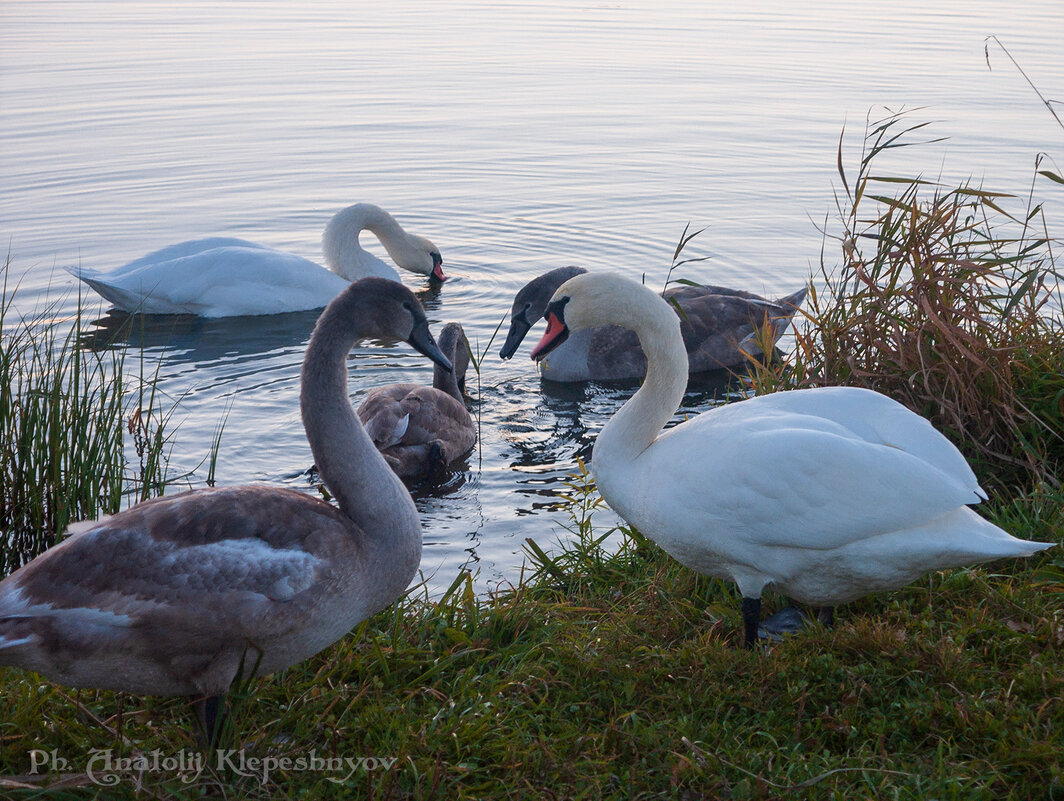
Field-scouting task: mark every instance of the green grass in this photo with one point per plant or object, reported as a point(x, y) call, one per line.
point(65, 412)
point(617, 674)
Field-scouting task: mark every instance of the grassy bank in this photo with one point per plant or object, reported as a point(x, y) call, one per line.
point(616, 674)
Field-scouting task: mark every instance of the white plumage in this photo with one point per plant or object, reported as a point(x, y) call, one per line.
point(226, 277)
point(824, 495)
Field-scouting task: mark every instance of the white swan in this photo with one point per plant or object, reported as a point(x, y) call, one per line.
point(825, 495)
point(423, 429)
point(171, 596)
point(721, 327)
point(224, 277)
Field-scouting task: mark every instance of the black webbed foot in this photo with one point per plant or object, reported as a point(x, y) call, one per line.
point(211, 718)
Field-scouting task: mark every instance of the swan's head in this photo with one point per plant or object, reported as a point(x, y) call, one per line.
point(594, 299)
point(421, 256)
point(530, 303)
point(342, 251)
point(383, 309)
point(455, 346)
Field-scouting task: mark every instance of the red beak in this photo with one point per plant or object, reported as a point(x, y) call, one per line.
point(557, 332)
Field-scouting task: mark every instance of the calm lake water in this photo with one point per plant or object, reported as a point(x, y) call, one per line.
point(518, 136)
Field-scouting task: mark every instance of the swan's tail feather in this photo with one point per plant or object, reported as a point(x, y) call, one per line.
point(124, 299)
point(962, 537)
point(775, 325)
point(794, 300)
point(118, 297)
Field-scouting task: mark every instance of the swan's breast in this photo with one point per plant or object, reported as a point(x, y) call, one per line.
point(569, 361)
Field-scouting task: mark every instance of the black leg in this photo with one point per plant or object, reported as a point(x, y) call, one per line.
point(751, 621)
point(210, 717)
point(826, 615)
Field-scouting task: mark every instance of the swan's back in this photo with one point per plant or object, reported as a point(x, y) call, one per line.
point(874, 418)
point(216, 277)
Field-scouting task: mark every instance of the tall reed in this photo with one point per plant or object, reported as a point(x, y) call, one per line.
point(946, 302)
point(65, 411)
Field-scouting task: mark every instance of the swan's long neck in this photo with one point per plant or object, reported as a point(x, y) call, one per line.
point(343, 253)
point(353, 470)
point(635, 427)
point(451, 342)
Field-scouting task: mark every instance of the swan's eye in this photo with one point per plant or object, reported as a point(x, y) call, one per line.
point(557, 308)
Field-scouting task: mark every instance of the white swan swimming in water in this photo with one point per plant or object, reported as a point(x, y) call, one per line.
point(171, 596)
point(721, 328)
point(225, 277)
point(824, 495)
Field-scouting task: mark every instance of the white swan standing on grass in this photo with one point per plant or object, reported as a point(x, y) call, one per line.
point(176, 595)
point(225, 277)
point(421, 430)
point(721, 328)
point(824, 495)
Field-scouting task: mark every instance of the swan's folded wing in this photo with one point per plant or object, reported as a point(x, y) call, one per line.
point(167, 554)
point(873, 417)
point(232, 281)
point(797, 487)
point(217, 278)
point(183, 250)
point(383, 416)
point(716, 327)
point(436, 416)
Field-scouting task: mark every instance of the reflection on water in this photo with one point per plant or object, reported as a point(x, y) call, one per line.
point(186, 338)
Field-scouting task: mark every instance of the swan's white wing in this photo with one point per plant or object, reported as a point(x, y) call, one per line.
point(227, 282)
point(183, 250)
point(874, 417)
point(221, 281)
point(792, 480)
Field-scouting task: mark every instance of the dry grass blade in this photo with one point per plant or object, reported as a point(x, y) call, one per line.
point(1047, 103)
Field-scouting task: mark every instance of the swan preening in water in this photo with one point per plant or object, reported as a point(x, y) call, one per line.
point(225, 277)
point(174, 595)
point(419, 429)
point(824, 495)
point(721, 327)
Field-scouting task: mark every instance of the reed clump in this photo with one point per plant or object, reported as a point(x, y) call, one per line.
point(948, 303)
point(65, 414)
